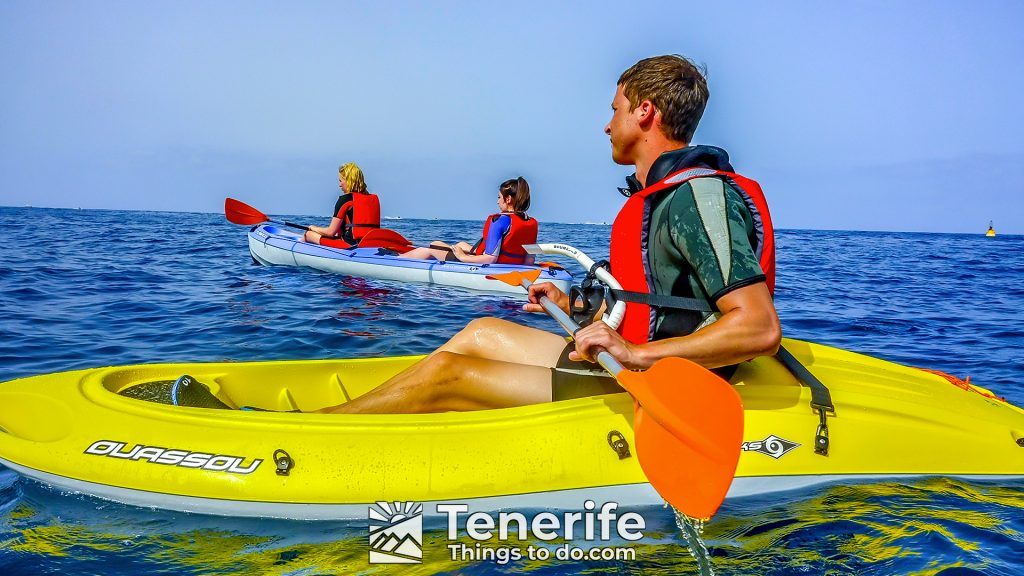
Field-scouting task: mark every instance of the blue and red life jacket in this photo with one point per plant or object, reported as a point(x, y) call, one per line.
point(522, 230)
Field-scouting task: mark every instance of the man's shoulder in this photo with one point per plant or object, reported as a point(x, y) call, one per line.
point(704, 190)
point(691, 191)
point(695, 205)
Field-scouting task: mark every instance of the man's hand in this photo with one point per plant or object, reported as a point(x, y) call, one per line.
point(590, 341)
point(551, 291)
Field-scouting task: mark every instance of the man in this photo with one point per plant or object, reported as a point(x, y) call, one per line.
point(691, 226)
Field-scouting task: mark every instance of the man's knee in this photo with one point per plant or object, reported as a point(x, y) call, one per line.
point(444, 362)
point(439, 389)
point(476, 336)
point(485, 324)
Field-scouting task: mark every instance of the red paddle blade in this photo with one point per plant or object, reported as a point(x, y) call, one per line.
point(688, 430)
point(385, 238)
point(241, 213)
point(401, 248)
point(381, 237)
point(515, 278)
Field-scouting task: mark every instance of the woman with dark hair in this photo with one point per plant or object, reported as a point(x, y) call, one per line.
point(504, 234)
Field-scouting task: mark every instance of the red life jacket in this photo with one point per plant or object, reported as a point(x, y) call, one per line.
point(359, 215)
point(629, 243)
point(365, 214)
point(522, 230)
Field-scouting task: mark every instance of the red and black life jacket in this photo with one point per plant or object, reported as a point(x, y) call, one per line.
point(522, 230)
point(359, 215)
point(629, 246)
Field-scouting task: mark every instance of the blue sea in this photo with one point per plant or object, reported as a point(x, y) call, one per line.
point(85, 288)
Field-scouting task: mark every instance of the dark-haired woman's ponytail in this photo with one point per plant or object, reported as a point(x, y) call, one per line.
point(522, 195)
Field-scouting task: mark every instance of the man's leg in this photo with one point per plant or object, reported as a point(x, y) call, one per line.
point(446, 381)
point(489, 364)
point(497, 339)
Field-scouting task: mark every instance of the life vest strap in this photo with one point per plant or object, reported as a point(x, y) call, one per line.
point(662, 300)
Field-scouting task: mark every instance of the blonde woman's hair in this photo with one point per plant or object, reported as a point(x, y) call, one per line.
point(353, 178)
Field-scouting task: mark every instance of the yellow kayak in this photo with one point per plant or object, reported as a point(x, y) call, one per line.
point(79, 432)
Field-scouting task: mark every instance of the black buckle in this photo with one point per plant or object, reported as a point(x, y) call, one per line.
point(821, 435)
point(586, 299)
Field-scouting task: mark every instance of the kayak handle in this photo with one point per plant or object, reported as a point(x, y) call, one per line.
point(612, 318)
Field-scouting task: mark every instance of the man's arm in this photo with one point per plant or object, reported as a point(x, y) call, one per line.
point(748, 327)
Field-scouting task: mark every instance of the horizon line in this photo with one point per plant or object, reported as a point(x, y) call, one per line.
point(436, 219)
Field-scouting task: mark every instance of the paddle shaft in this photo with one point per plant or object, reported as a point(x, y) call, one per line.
point(396, 243)
point(301, 227)
point(606, 360)
point(239, 212)
point(292, 224)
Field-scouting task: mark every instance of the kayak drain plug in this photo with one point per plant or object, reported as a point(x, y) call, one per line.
point(618, 443)
point(284, 462)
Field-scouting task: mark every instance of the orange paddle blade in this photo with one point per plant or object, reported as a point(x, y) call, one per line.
point(688, 430)
point(515, 278)
point(239, 212)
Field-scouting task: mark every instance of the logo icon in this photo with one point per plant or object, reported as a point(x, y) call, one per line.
point(396, 533)
point(771, 446)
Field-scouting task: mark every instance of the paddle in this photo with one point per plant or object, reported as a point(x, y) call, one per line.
point(687, 422)
point(385, 238)
point(239, 212)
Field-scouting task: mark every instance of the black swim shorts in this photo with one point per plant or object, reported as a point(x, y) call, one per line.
point(575, 379)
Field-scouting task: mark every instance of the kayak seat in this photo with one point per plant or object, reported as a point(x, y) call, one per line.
point(187, 391)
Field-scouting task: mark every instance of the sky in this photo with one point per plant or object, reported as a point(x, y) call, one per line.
point(901, 116)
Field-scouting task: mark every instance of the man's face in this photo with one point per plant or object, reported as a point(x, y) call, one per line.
point(623, 129)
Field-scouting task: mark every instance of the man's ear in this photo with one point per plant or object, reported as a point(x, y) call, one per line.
point(646, 113)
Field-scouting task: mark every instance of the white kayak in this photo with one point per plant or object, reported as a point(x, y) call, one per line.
point(273, 245)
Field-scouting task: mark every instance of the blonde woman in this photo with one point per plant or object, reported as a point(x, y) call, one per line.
point(355, 213)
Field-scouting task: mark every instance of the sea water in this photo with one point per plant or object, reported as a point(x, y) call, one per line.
point(84, 288)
